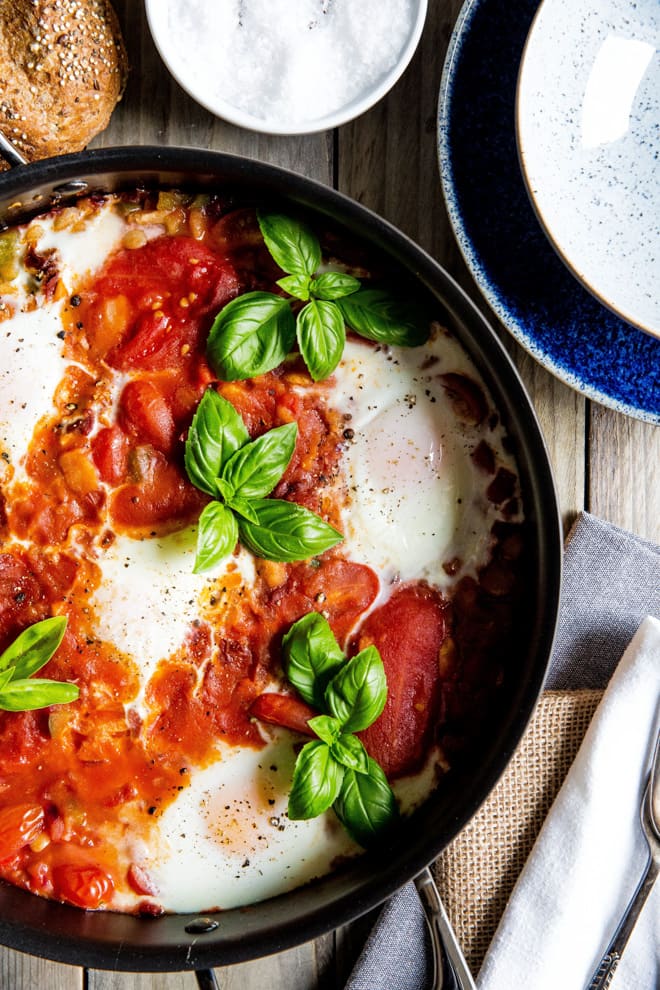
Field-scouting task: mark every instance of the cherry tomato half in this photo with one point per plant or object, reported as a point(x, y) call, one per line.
point(84, 886)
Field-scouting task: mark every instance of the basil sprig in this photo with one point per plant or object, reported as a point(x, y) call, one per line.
point(335, 770)
point(255, 332)
point(238, 473)
point(30, 651)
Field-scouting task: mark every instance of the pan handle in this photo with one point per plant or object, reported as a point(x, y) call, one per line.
point(450, 971)
point(206, 979)
point(9, 153)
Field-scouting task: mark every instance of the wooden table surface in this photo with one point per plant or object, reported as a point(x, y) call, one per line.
point(604, 462)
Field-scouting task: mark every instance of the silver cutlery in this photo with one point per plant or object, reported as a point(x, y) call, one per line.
point(650, 818)
point(450, 971)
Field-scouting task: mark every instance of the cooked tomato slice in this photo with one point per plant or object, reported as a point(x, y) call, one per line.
point(174, 286)
point(145, 415)
point(155, 344)
point(282, 709)
point(21, 597)
point(84, 886)
point(341, 589)
point(167, 265)
point(162, 497)
point(347, 590)
point(20, 824)
point(110, 451)
point(408, 630)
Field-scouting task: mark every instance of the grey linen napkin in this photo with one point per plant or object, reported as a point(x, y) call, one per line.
point(611, 582)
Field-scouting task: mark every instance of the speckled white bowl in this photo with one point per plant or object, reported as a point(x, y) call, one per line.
point(588, 129)
point(184, 65)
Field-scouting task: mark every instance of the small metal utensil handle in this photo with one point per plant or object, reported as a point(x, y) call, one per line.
point(450, 971)
point(605, 972)
point(206, 979)
point(9, 152)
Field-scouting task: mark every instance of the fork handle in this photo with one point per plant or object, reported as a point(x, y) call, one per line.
point(605, 971)
point(450, 971)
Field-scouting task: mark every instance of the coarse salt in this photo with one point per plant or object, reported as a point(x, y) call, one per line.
point(292, 60)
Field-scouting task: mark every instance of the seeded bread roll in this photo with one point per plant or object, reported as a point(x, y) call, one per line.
point(62, 70)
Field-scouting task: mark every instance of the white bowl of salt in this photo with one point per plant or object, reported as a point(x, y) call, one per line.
point(286, 66)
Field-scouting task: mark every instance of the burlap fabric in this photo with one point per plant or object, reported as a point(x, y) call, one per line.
point(477, 871)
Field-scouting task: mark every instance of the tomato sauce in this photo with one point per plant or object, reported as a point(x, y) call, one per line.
point(109, 462)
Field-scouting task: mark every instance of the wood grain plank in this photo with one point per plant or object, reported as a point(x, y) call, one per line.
point(387, 159)
point(103, 980)
point(21, 972)
point(624, 468)
point(307, 967)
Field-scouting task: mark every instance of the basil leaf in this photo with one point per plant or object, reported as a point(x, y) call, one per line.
point(285, 531)
point(34, 646)
point(326, 728)
point(366, 806)
point(348, 750)
point(251, 335)
point(375, 314)
point(333, 285)
point(316, 783)
point(296, 285)
point(35, 692)
point(311, 657)
point(244, 508)
point(254, 470)
point(6, 676)
point(356, 695)
point(217, 536)
point(216, 432)
point(224, 490)
point(321, 337)
point(293, 246)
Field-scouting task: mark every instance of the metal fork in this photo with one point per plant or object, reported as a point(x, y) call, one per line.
point(450, 971)
point(650, 818)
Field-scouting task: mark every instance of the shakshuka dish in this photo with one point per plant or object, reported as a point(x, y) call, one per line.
point(261, 552)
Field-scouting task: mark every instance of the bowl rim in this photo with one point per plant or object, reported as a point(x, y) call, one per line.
point(559, 245)
point(501, 302)
point(347, 112)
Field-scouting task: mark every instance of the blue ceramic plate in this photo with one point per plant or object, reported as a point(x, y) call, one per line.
point(534, 295)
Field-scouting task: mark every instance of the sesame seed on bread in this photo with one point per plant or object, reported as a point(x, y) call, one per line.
point(62, 71)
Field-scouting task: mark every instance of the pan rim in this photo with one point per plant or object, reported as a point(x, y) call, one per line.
point(100, 940)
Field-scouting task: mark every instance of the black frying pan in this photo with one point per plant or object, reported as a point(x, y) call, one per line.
point(178, 942)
